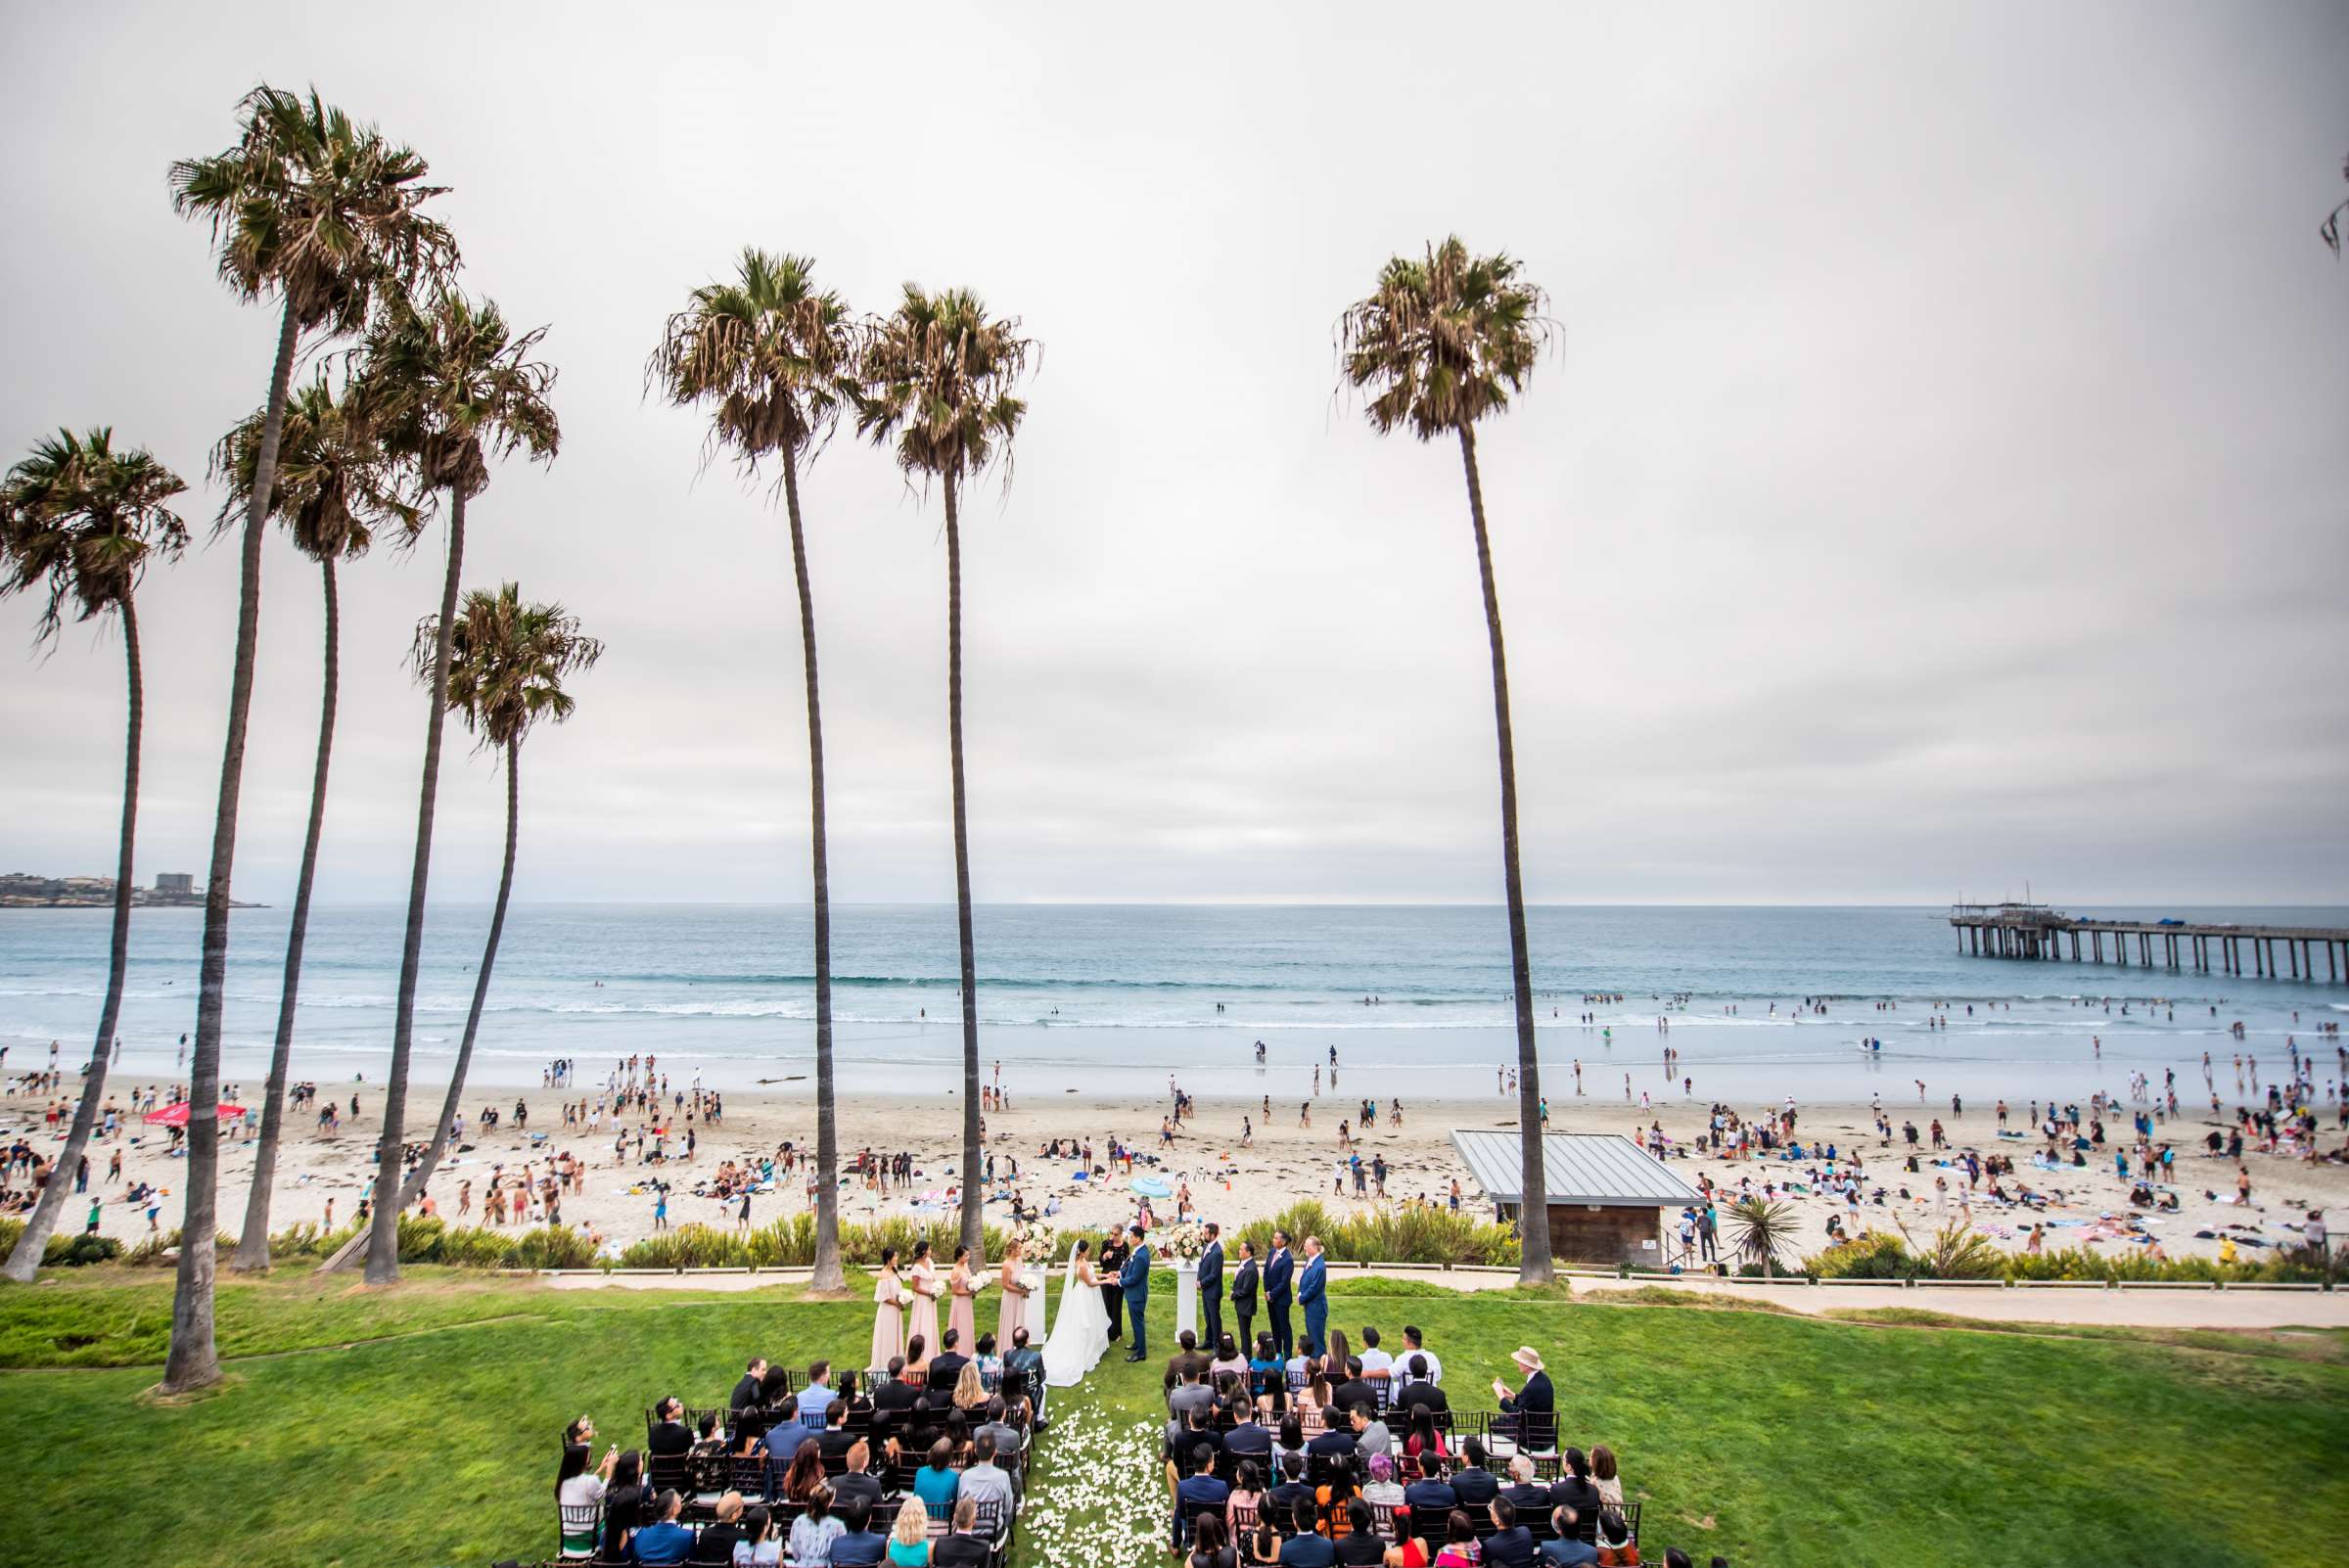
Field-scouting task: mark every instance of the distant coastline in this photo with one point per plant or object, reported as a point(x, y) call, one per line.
point(20, 891)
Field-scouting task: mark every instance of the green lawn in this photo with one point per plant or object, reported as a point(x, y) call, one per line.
point(416, 1428)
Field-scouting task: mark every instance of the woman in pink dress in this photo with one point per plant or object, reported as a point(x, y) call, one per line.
point(1014, 1308)
point(921, 1315)
point(888, 1311)
point(961, 1288)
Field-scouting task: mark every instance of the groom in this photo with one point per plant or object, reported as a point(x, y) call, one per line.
point(1134, 1278)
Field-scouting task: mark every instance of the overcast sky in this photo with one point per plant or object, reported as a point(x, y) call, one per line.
point(1940, 482)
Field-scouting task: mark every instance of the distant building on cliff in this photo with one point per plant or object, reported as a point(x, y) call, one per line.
point(175, 884)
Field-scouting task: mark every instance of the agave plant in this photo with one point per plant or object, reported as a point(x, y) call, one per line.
point(1760, 1229)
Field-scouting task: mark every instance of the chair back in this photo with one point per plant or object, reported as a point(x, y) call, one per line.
point(575, 1530)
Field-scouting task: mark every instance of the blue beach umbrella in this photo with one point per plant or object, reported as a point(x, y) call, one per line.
point(1152, 1187)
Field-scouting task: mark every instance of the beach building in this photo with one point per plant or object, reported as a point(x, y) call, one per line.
point(1607, 1199)
point(179, 883)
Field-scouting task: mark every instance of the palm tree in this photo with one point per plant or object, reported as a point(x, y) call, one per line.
point(506, 671)
point(1443, 343)
point(449, 386)
point(776, 357)
point(335, 488)
point(1760, 1229)
point(82, 521)
point(938, 378)
point(325, 213)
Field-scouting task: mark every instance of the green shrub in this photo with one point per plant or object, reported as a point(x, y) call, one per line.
point(1871, 1255)
point(1407, 1236)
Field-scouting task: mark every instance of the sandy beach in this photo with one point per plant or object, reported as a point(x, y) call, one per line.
point(1229, 1182)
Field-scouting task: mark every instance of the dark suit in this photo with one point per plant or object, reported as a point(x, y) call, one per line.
point(1134, 1279)
point(1476, 1487)
point(1279, 1269)
point(1110, 1266)
point(1430, 1500)
point(669, 1437)
point(1243, 1303)
point(1536, 1408)
point(1427, 1394)
point(1512, 1547)
point(746, 1394)
point(945, 1367)
point(1573, 1492)
point(1313, 1295)
point(1211, 1292)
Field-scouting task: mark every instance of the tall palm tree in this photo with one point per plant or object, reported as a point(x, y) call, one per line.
point(82, 521)
point(336, 486)
point(1444, 341)
point(323, 212)
point(938, 377)
point(776, 358)
point(505, 672)
point(449, 386)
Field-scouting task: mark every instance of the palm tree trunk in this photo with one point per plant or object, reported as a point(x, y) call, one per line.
point(252, 1244)
point(194, 1362)
point(974, 1201)
point(413, 1188)
point(383, 1241)
point(827, 1275)
point(26, 1260)
point(1532, 1211)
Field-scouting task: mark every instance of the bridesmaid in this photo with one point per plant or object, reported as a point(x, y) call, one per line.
point(921, 1317)
point(1014, 1307)
point(889, 1312)
point(961, 1318)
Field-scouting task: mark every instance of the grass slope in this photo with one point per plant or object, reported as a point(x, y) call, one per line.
point(416, 1428)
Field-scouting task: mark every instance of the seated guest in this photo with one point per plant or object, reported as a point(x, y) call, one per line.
point(947, 1364)
point(1289, 1493)
point(1475, 1485)
point(1370, 1435)
point(1201, 1491)
point(1190, 1394)
point(746, 1391)
point(814, 1532)
point(1247, 1496)
point(1413, 1341)
point(1360, 1546)
point(835, 1440)
point(1010, 1441)
point(1408, 1552)
point(984, 1481)
point(1263, 1543)
point(1614, 1537)
point(760, 1545)
point(1533, 1409)
point(1232, 1396)
point(792, 1479)
point(990, 1364)
point(936, 1482)
point(1604, 1474)
point(1512, 1545)
point(1290, 1440)
point(664, 1542)
point(1381, 1486)
point(716, 1542)
point(1336, 1435)
point(970, 1388)
point(1460, 1548)
point(917, 1361)
point(893, 1405)
point(1028, 1362)
point(909, 1539)
point(1377, 1365)
point(1210, 1542)
point(627, 1505)
point(1418, 1387)
point(1573, 1490)
point(578, 1487)
point(1192, 1438)
point(774, 1388)
point(1354, 1390)
point(707, 1439)
point(669, 1436)
point(1249, 1439)
point(815, 1397)
point(963, 1546)
point(1423, 1436)
point(1430, 1496)
point(1334, 1494)
point(1566, 1549)
point(1305, 1548)
point(1265, 1366)
point(1227, 1359)
point(1523, 1491)
point(857, 1480)
point(1187, 1361)
point(858, 1546)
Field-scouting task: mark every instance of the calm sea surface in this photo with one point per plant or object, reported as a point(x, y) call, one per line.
point(1119, 998)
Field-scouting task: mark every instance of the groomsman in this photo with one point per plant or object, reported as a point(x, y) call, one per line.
point(1211, 1284)
point(1243, 1296)
point(1279, 1269)
point(1313, 1294)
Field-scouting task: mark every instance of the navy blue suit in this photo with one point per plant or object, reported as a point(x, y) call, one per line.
point(1136, 1279)
point(1211, 1294)
point(1279, 1269)
point(1313, 1294)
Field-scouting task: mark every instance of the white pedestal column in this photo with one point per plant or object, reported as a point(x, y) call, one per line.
point(1187, 1295)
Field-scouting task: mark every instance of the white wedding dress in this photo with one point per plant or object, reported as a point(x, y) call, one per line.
point(1080, 1333)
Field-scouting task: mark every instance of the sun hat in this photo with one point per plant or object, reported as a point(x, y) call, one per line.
point(1528, 1357)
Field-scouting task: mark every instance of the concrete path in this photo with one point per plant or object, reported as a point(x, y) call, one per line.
point(2136, 1308)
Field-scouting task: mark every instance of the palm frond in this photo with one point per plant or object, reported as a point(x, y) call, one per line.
point(507, 663)
point(80, 521)
point(1443, 341)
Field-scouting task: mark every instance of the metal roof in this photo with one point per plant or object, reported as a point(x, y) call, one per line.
point(1602, 1168)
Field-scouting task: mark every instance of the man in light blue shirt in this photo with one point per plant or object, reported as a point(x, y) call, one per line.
point(815, 1399)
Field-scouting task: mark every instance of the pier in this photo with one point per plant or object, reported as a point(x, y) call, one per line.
point(2036, 930)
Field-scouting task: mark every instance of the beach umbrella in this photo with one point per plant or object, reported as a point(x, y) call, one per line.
point(177, 1114)
point(1152, 1187)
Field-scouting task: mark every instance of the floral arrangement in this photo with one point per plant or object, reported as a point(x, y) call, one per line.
point(1188, 1240)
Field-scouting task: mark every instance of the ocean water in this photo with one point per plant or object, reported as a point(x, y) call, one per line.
point(1124, 999)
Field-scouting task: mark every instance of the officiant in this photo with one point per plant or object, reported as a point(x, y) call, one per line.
point(1109, 1264)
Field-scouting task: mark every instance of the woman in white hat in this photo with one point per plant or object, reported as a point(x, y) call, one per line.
point(1533, 1407)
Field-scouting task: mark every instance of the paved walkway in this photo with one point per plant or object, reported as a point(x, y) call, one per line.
point(2136, 1308)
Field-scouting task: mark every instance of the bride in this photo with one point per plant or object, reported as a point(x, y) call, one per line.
point(1080, 1333)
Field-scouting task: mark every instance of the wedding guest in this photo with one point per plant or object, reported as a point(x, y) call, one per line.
point(670, 1434)
point(814, 1532)
point(1523, 1489)
point(802, 1475)
point(917, 1361)
point(1574, 1488)
point(889, 1312)
point(856, 1481)
point(1187, 1358)
point(984, 1481)
point(858, 1546)
point(815, 1397)
point(1210, 1545)
point(717, 1541)
point(1424, 1439)
point(1249, 1439)
point(1377, 1365)
point(664, 1541)
point(947, 1364)
point(963, 1546)
point(1566, 1549)
point(1413, 1341)
point(1306, 1549)
point(1028, 1362)
point(1247, 1495)
point(1194, 1485)
point(1460, 1548)
point(936, 1482)
point(1334, 1494)
point(835, 1440)
point(1533, 1409)
point(1008, 1439)
point(909, 1540)
point(1475, 1485)
point(760, 1545)
point(1418, 1387)
point(746, 1391)
point(970, 1388)
point(1512, 1545)
point(1603, 1476)
point(1227, 1359)
point(1359, 1544)
point(624, 1504)
point(1381, 1486)
point(963, 1291)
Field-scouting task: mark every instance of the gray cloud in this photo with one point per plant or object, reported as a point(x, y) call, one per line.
point(1940, 480)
